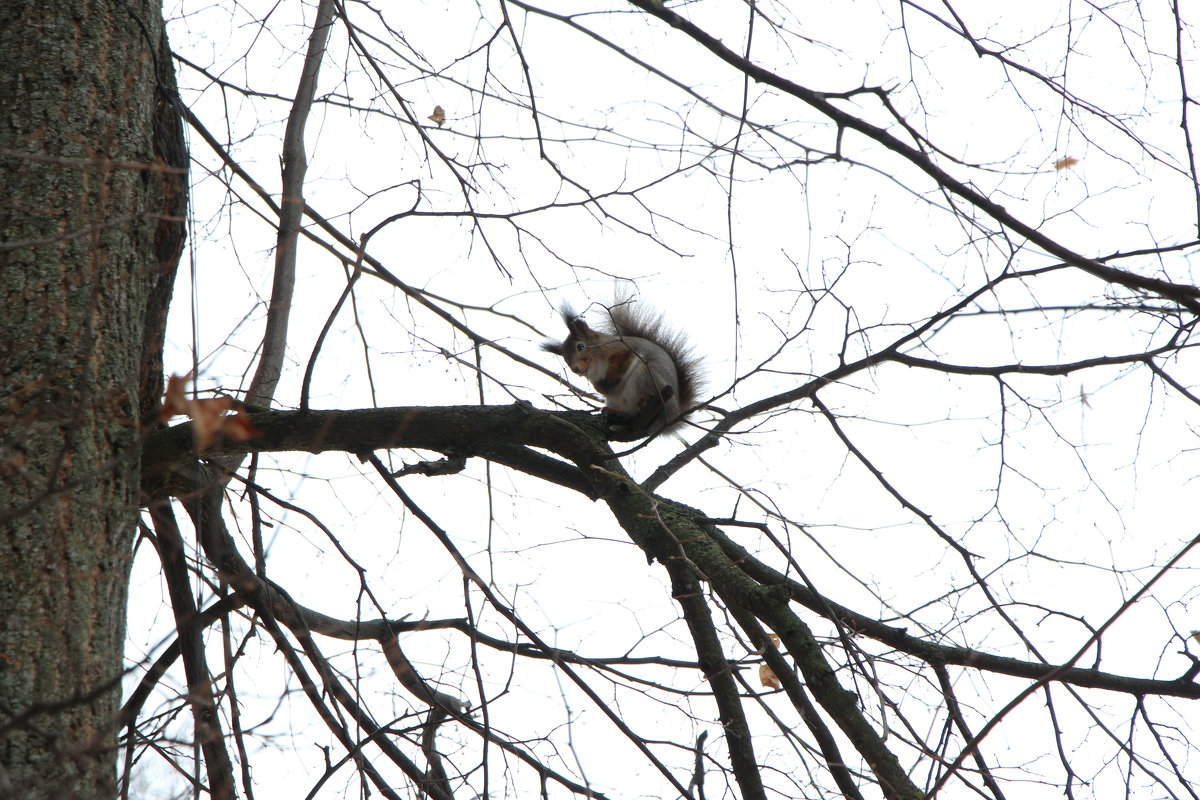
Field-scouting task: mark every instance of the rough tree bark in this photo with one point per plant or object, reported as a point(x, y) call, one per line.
point(90, 235)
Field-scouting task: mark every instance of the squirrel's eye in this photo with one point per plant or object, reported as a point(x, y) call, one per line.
point(580, 347)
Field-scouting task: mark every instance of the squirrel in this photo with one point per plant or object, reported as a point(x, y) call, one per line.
point(646, 371)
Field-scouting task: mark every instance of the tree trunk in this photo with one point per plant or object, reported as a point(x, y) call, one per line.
point(88, 250)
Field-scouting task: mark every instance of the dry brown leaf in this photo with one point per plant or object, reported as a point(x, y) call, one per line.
point(1066, 163)
point(210, 417)
point(239, 428)
point(767, 675)
point(438, 116)
point(174, 399)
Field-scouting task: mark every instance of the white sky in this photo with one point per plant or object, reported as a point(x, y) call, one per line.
point(1100, 491)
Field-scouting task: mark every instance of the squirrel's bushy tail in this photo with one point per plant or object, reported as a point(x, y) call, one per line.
point(627, 317)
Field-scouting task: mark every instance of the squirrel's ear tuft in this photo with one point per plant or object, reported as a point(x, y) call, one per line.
point(551, 346)
point(578, 328)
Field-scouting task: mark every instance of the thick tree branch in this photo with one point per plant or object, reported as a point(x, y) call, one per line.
point(794, 689)
point(934, 653)
point(688, 592)
point(673, 534)
point(207, 726)
point(291, 208)
point(462, 429)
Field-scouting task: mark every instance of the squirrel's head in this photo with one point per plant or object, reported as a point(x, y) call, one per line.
point(576, 348)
